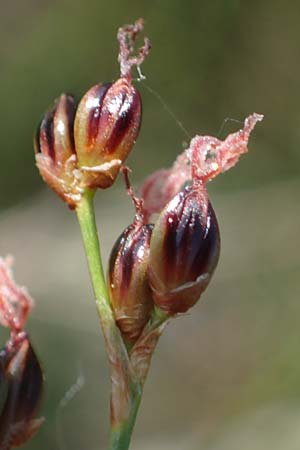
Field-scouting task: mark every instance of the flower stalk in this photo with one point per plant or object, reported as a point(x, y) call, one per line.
point(120, 435)
point(125, 389)
point(128, 371)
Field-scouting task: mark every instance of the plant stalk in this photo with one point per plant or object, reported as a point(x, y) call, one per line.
point(125, 390)
point(120, 436)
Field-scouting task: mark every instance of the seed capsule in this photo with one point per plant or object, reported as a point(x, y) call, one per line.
point(55, 150)
point(128, 282)
point(55, 134)
point(107, 124)
point(21, 383)
point(184, 251)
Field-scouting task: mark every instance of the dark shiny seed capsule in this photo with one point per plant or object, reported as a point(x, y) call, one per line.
point(54, 137)
point(128, 282)
point(55, 150)
point(184, 251)
point(107, 124)
point(21, 383)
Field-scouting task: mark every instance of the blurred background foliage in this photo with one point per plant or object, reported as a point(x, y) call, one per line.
point(228, 375)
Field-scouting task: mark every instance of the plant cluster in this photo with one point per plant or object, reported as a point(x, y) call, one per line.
point(159, 266)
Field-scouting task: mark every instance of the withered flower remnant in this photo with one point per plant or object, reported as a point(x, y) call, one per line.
point(15, 302)
point(210, 157)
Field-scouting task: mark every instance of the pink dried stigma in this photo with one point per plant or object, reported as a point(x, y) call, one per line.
point(205, 158)
point(15, 302)
point(210, 156)
point(127, 36)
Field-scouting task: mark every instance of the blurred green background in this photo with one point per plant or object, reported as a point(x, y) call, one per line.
point(226, 376)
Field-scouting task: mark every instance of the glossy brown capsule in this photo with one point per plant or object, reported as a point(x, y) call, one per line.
point(107, 124)
point(55, 137)
point(184, 251)
point(21, 384)
point(128, 282)
point(55, 149)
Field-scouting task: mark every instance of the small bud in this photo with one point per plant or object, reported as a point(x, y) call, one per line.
point(21, 384)
point(184, 250)
point(106, 126)
point(128, 282)
point(55, 150)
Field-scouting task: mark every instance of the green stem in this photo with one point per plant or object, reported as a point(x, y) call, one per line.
point(126, 392)
point(120, 436)
point(86, 218)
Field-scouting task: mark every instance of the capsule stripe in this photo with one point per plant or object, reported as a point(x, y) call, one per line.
point(94, 114)
point(36, 139)
point(70, 109)
point(47, 132)
point(124, 122)
point(189, 241)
